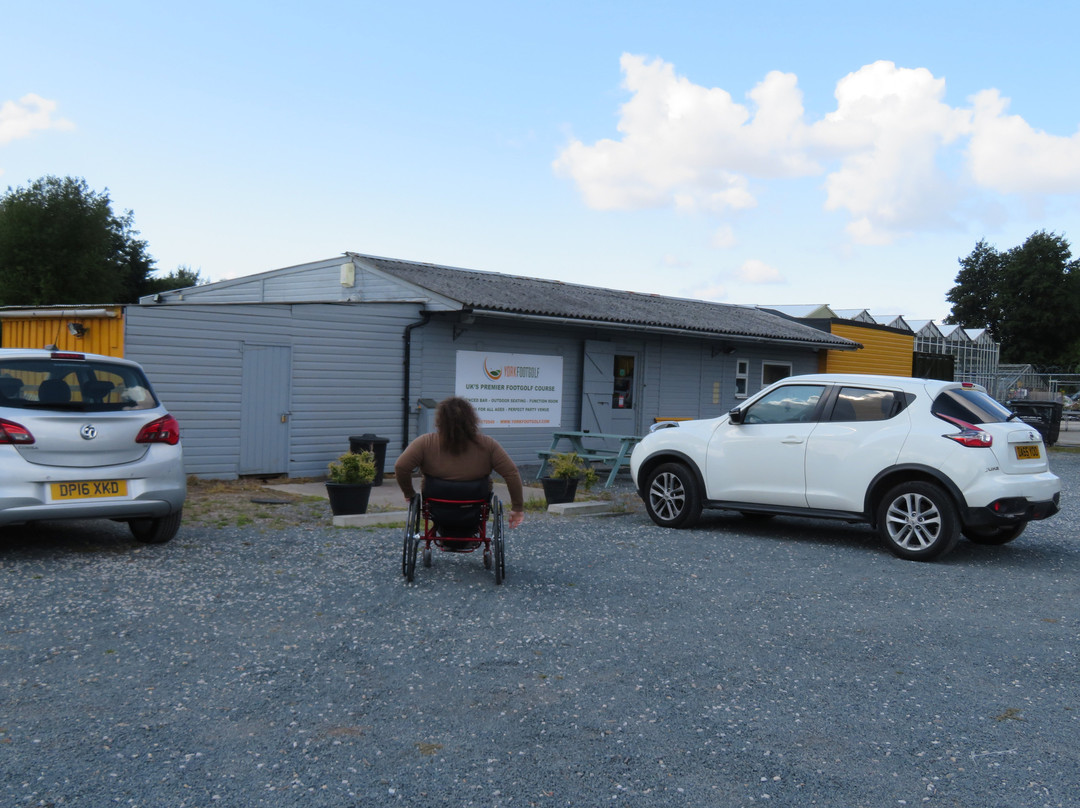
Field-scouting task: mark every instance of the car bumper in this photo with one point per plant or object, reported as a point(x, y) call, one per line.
point(1011, 511)
point(146, 498)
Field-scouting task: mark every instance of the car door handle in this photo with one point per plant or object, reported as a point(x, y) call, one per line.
point(793, 439)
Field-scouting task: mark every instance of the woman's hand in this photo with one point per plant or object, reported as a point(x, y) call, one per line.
point(516, 518)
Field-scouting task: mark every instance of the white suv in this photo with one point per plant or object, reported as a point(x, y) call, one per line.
point(82, 436)
point(923, 461)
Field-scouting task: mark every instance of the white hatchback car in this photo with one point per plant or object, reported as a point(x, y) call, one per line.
point(923, 461)
point(83, 436)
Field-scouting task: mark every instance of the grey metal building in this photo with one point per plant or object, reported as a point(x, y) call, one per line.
point(271, 373)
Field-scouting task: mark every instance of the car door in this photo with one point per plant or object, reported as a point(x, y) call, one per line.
point(861, 433)
point(762, 459)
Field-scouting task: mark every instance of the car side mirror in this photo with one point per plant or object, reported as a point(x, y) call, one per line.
point(735, 416)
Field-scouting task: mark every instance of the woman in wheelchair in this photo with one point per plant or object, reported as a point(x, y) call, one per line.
point(458, 459)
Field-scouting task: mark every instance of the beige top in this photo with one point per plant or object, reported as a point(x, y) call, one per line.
point(478, 460)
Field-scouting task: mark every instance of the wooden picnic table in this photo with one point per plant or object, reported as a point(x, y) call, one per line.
point(584, 444)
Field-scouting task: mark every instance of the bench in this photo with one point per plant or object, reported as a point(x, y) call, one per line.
point(592, 454)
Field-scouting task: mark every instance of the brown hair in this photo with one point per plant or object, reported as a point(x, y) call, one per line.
point(458, 424)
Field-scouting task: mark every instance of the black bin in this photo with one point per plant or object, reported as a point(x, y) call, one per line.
point(1045, 416)
point(375, 445)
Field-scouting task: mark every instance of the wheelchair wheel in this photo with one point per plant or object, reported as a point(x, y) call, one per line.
point(498, 542)
point(411, 539)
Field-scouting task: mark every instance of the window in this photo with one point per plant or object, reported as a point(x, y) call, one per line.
point(83, 385)
point(794, 403)
point(742, 375)
point(859, 404)
point(622, 396)
point(774, 372)
point(969, 405)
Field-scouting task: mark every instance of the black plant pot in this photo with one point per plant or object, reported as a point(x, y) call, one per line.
point(559, 489)
point(348, 498)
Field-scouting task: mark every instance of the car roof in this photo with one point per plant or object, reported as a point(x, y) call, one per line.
point(876, 380)
point(41, 353)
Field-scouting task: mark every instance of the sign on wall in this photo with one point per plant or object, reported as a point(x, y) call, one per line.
point(511, 390)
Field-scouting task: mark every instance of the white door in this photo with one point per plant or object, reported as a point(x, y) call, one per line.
point(763, 459)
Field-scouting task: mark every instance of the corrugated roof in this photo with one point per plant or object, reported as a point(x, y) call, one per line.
point(546, 298)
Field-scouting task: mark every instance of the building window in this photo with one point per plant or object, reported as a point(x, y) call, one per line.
point(774, 372)
point(622, 397)
point(742, 377)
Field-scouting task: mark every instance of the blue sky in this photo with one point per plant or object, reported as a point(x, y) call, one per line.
point(774, 153)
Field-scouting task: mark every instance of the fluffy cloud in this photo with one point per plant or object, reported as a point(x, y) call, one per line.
point(1009, 156)
point(888, 129)
point(759, 272)
point(894, 156)
point(31, 113)
point(688, 146)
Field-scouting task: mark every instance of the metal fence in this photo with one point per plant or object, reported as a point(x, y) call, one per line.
point(1012, 382)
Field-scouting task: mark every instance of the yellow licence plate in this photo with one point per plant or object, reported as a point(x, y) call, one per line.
point(1027, 452)
point(89, 490)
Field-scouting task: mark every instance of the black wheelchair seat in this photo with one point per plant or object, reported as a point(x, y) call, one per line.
point(457, 506)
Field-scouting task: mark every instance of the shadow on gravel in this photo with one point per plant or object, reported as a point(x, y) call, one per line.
point(46, 539)
point(1029, 552)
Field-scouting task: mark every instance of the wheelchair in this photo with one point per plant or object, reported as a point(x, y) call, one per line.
point(454, 516)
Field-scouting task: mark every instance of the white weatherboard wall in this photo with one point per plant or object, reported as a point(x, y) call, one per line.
point(346, 375)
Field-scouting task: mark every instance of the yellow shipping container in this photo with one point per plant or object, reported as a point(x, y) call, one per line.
point(97, 330)
point(886, 351)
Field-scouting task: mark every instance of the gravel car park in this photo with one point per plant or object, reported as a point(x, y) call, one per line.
point(792, 663)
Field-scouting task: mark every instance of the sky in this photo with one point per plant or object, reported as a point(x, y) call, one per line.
point(770, 153)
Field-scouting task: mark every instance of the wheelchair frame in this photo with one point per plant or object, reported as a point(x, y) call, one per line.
point(421, 528)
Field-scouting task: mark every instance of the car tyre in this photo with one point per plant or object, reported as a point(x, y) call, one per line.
point(672, 498)
point(918, 521)
point(156, 531)
point(994, 535)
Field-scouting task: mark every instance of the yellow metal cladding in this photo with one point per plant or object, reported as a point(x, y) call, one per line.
point(100, 335)
point(885, 351)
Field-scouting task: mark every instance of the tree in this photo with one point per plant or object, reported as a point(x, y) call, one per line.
point(182, 278)
point(61, 243)
point(1027, 297)
point(974, 298)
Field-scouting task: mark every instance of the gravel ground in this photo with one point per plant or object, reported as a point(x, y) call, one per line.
point(786, 663)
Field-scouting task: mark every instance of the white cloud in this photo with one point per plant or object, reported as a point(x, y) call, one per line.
point(888, 129)
point(896, 158)
point(31, 113)
point(1008, 155)
point(758, 272)
point(712, 290)
point(724, 237)
point(688, 146)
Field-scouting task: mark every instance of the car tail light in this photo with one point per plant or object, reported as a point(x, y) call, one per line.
point(13, 433)
point(163, 430)
point(969, 434)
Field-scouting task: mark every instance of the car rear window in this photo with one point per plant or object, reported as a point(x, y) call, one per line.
point(973, 406)
point(864, 404)
point(79, 385)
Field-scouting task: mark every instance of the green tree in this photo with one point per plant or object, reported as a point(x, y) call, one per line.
point(61, 243)
point(182, 278)
point(1028, 298)
point(974, 299)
